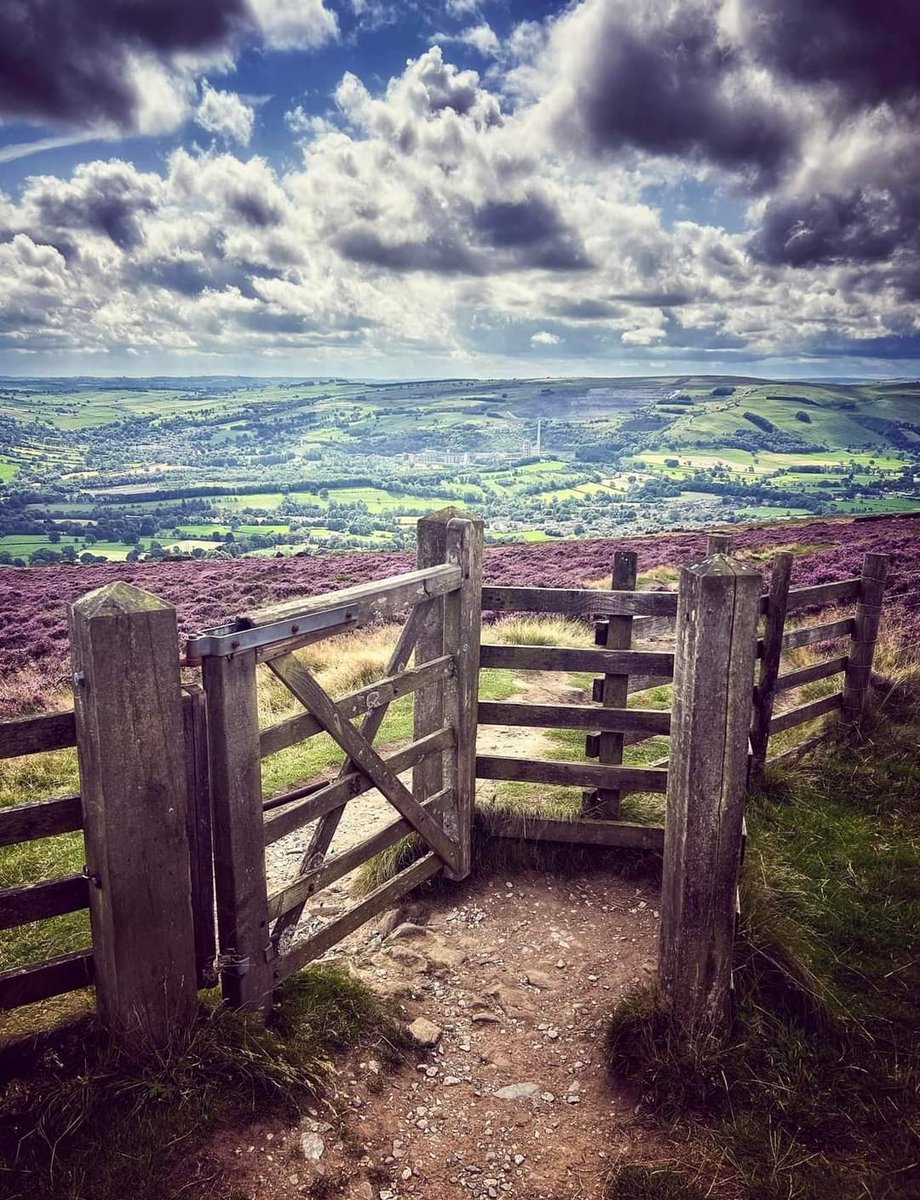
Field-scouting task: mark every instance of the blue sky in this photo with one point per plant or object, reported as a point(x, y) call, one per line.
point(459, 187)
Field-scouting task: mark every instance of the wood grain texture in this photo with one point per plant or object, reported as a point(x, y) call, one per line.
point(822, 594)
point(38, 901)
point(31, 735)
point(374, 703)
point(821, 670)
point(370, 601)
point(579, 602)
point(865, 635)
point(239, 854)
point(374, 904)
point(570, 774)
point(765, 693)
point(462, 628)
point(41, 981)
point(200, 832)
point(813, 635)
point(375, 697)
point(648, 721)
point(363, 755)
point(128, 717)
point(281, 821)
point(40, 818)
point(707, 779)
point(567, 658)
point(605, 802)
point(294, 894)
point(806, 712)
point(580, 831)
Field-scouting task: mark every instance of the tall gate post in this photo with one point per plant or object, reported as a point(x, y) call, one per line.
point(765, 693)
point(716, 636)
point(247, 978)
point(452, 535)
point(865, 635)
point(130, 747)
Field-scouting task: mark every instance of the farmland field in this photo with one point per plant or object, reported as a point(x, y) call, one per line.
point(94, 470)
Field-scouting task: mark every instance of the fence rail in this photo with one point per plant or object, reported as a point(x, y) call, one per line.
point(32, 735)
point(176, 822)
point(579, 602)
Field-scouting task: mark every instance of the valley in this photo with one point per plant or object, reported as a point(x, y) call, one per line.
point(95, 470)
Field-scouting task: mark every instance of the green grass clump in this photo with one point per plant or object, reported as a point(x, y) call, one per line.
point(815, 1095)
point(500, 855)
point(83, 1120)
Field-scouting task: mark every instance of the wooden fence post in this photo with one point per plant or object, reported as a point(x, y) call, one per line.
point(718, 543)
point(128, 713)
point(865, 635)
point(247, 978)
point(435, 640)
point(605, 802)
point(462, 630)
point(716, 632)
point(765, 692)
point(428, 705)
point(201, 843)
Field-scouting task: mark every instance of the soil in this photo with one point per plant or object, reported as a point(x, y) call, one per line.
point(517, 977)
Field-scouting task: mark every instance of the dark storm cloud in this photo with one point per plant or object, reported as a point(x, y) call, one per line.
point(489, 238)
point(867, 51)
point(67, 60)
point(860, 226)
point(109, 200)
point(533, 231)
point(664, 81)
point(442, 256)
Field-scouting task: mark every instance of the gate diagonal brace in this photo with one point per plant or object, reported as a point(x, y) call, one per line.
point(302, 684)
point(325, 831)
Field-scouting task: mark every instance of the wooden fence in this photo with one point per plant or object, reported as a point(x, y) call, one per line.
point(176, 826)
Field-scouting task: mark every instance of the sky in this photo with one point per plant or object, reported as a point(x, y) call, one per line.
point(431, 188)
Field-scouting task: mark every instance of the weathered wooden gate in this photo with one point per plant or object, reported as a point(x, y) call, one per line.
point(442, 599)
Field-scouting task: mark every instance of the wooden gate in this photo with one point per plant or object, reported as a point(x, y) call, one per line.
point(254, 926)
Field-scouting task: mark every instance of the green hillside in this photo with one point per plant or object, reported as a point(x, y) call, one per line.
point(125, 467)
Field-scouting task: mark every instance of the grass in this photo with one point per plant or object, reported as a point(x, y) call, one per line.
point(651, 1183)
point(495, 855)
point(816, 1094)
point(83, 1120)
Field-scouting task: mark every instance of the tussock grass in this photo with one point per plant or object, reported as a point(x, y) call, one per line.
point(540, 631)
point(83, 1120)
point(816, 1094)
point(492, 855)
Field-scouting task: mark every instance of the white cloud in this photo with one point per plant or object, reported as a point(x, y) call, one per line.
point(482, 38)
point(295, 24)
point(545, 338)
point(224, 114)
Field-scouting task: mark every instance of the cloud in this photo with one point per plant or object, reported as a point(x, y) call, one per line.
point(224, 114)
point(661, 78)
point(295, 24)
point(451, 216)
point(868, 53)
point(482, 38)
point(131, 66)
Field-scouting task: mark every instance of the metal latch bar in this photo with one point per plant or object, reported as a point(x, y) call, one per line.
point(224, 643)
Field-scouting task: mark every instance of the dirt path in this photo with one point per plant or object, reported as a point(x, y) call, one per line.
point(516, 978)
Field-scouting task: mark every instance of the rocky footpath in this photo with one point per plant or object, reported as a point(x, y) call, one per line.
point(506, 987)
